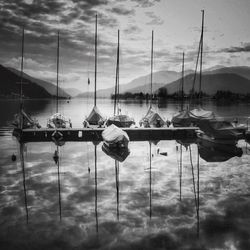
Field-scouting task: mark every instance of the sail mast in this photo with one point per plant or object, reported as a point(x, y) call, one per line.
point(21, 75)
point(57, 72)
point(95, 56)
point(182, 82)
point(117, 78)
point(201, 51)
point(151, 76)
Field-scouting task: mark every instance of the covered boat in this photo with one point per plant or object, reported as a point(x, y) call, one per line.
point(95, 118)
point(199, 114)
point(23, 120)
point(122, 121)
point(182, 119)
point(152, 119)
point(58, 121)
point(115, 137)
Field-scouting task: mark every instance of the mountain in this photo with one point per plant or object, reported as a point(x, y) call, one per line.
point(211, 83)
point(10, 87)
point(243, 71)
point(140, 84)
point(49, 87)
point(72, 91)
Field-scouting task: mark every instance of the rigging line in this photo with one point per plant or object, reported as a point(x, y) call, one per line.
point(116, 101)
point(21, 74)
point(151, 75)
point(57, 71)
point(182, 82)
point(195, 72)
point(192, 167)
point(202, 30)
point(95, 56)
point(24, 182)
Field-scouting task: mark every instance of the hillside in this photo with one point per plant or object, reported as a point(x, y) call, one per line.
point(72, 91)
point(243, 71)
point(49, 87)
point(140, 84)
point(211, 83)
point(10, 87)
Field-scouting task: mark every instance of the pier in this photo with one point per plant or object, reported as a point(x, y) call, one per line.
point(95, 134)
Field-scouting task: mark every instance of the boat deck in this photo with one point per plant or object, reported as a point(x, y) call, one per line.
point(95, 134)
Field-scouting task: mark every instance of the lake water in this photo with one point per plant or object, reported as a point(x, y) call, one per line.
point(125, 205)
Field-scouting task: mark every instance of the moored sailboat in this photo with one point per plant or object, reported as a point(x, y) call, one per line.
point(152, 118)
point(95, 117)
point(119, 119)
point(22, 120)
point(58, 120)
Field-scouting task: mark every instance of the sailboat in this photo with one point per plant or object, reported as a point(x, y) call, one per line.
point(118, 119)
point(152, 118)
point(22, 120)
point(199, 114)
point(95, 117)
point(58, 120)
point(182, 118)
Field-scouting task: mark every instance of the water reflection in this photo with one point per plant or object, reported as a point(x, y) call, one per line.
point(206, 196)
point(24, 181)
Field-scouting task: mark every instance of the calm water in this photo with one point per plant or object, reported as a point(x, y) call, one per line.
point(112, 211)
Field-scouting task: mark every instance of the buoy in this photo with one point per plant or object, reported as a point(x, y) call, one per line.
point(13, 157)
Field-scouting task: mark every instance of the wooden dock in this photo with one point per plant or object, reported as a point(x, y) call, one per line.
point(95, 134)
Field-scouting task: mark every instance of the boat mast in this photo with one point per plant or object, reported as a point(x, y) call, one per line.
point(57, 72)
point(151, 76)
point(116, 103)
point(21, 75)
point(95, 56)
point(182, 82)
point(201, 51)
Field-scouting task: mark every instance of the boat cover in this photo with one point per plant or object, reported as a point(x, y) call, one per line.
point(182, 119)
point(152, 119)
point(115, 136)
point(27, 120)
point(95, 117)
point(201, 114)
point(58, 121)
point(121, 121)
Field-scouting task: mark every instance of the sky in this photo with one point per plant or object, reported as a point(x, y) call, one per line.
point(176, 25)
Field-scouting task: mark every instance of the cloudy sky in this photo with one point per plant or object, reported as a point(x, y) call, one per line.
point(176, 25)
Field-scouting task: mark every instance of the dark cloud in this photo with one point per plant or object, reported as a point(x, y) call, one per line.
point(146, 3)
point(132, 29)
point(122, 11)
point(155, 20)
point(243, 48)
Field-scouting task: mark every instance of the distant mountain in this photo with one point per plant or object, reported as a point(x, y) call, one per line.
point(243, 71)
point(140, 84)
point(72, 91)
point(51, 88)
point(10, 86)
point(211, 83)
